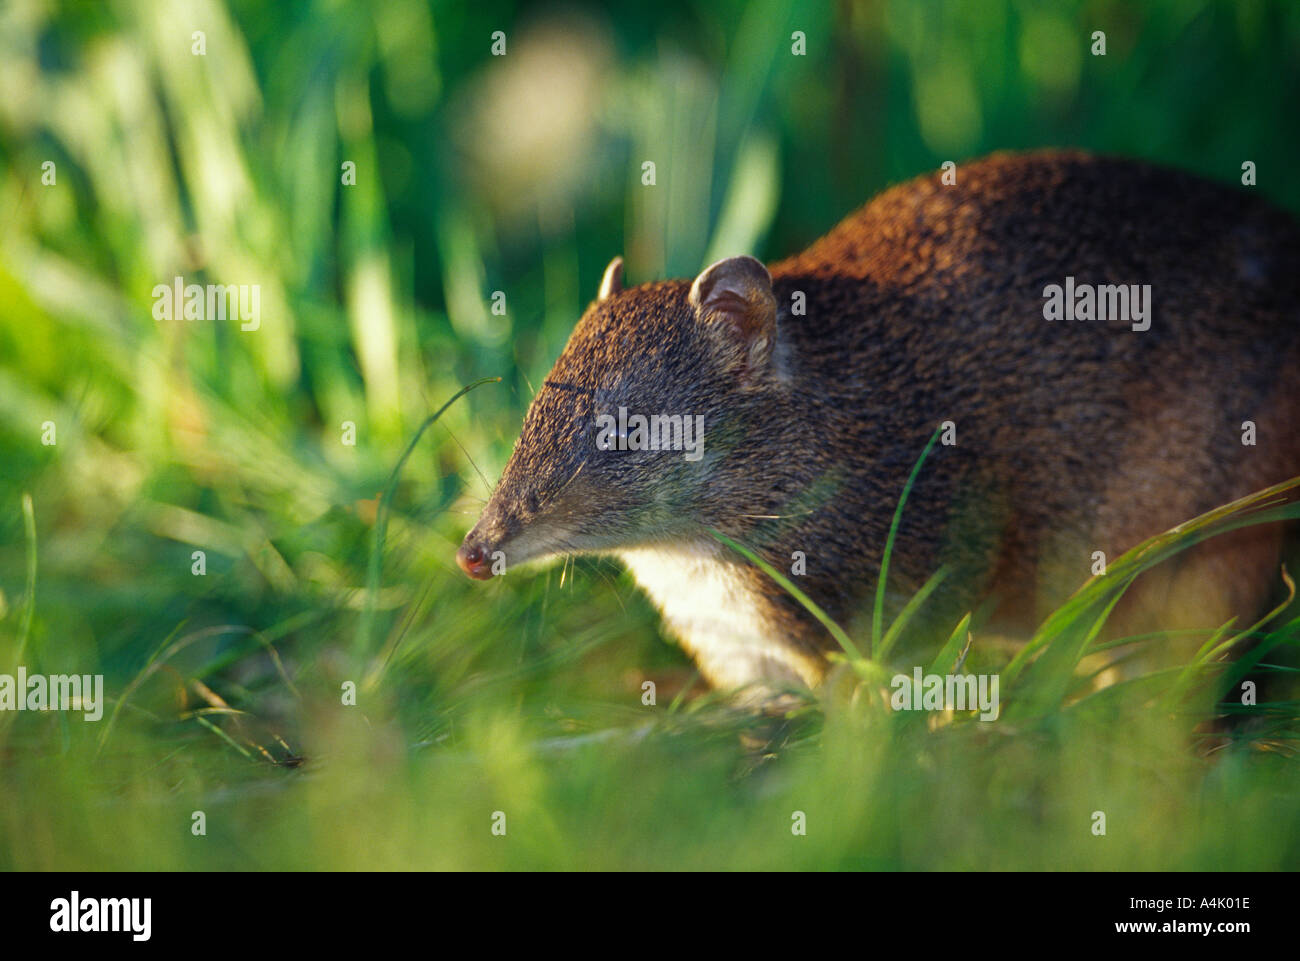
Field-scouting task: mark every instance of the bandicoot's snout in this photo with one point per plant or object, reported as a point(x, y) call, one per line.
point(489, 541)
point(484, 540)
point(473, 558)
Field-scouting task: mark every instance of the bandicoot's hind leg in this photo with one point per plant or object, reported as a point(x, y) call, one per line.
point(1232, 577)
point(1226, 456)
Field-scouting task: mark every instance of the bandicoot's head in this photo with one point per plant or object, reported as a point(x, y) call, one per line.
point(632, 437)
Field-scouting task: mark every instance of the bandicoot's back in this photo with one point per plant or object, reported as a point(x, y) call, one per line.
point(1113, 348)
point(1091, 430)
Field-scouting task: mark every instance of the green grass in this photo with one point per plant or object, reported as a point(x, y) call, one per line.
point(456, 723)
point(329, 564)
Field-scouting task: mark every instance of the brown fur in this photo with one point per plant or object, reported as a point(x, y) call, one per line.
point(927, 306)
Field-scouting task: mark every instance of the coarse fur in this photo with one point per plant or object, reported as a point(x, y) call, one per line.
point(926, 306)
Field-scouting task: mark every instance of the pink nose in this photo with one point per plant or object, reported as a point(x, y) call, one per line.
point(473, 561)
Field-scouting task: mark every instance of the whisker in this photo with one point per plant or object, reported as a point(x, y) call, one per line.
point(522, 373)
point(612, 584)
point(777, 517)
point(481, 475)
point(570, 480)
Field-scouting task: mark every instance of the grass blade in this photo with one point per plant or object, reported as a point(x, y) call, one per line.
point(381, 519)
point(878, 614)
point(836, 631)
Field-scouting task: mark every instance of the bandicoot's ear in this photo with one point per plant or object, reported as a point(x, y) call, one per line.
point(612, 282)
point(734, 297)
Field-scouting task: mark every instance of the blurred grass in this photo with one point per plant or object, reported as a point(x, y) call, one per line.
point(521, 175)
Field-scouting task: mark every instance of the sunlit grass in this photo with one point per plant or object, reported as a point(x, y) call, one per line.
point(459, 723)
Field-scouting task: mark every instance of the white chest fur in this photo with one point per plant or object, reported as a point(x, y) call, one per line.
point(710, 608)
